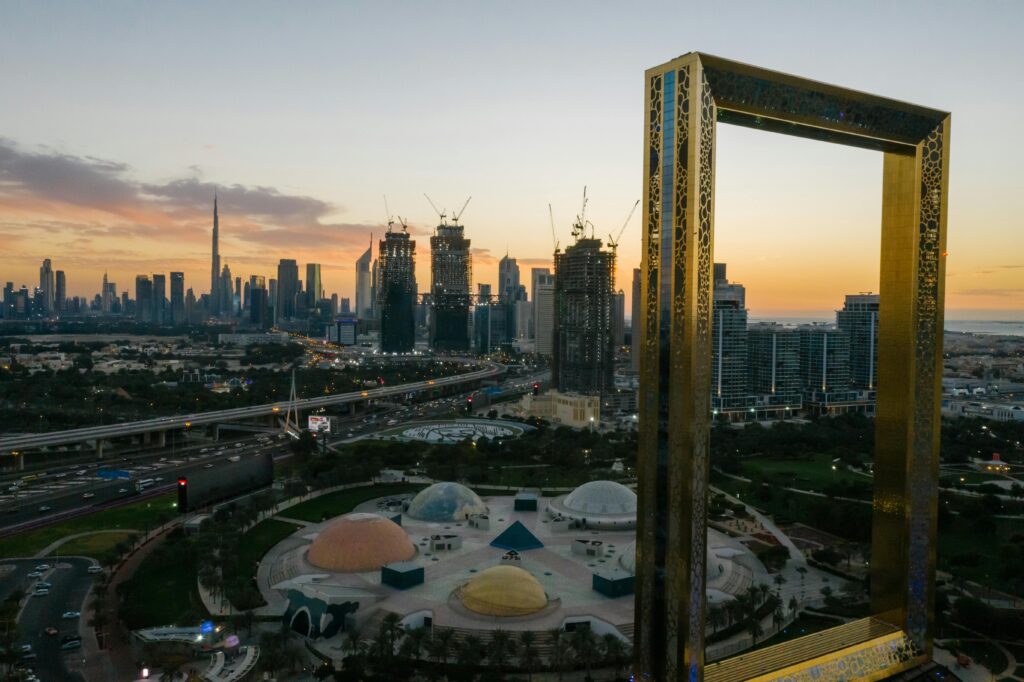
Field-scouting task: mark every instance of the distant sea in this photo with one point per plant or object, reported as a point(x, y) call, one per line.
point(998, 327)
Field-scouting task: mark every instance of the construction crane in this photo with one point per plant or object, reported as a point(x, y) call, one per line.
point(579, 227)
point(554, 237)
point(387, 210)
point(403, 222)
point(458, 214)
point(440, 214)
point(614, 241)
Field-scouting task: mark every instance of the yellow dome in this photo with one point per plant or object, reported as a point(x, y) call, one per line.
point(504, 591)
point(360, 542)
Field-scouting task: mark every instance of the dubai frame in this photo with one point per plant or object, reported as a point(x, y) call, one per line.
point(684, 100)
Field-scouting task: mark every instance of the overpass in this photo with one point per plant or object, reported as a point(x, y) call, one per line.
point(30, 441)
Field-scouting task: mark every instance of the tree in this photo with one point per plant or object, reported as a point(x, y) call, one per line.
point(716, 618)
point(613, 651)
point(754, 628)
point(501, 646)
point(559, 654)
point(471, 652)
point(584, 645)
point(529, 660)
point(779, 581)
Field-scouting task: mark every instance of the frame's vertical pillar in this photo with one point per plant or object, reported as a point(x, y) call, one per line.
point(914, 200)
point(675, 371)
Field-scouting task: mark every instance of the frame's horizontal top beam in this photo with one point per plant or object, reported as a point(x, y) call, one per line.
point(770, 100)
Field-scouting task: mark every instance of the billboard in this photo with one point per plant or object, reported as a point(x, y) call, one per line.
point(202, 487)
point(320, 424)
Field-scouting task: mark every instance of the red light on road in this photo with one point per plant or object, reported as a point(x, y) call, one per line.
point(182, 481)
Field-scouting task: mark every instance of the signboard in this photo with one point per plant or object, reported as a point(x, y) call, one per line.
point(206, 627)
point(320, 424)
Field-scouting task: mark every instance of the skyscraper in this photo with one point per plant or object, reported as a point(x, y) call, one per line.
point(143, 298)
point(346, 306)
point(450, 273)
point(314, 285)
point(178, 298)
point(544, 314)
point(47, 286)
point(583, 351)
point(105, 297)
point(729, 379)
point(396, 292)
point(159, 299)
point(859, 319)
point(215, 296)
point(258, 314)
point(508, 280)
point(619, 319)
point(60, 293)
point(824, 359)
point(287, 288)
point(364, 284)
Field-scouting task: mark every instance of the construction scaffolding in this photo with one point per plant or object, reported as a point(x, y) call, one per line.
point(451, 273)
point(396, 292)
point(584, 351)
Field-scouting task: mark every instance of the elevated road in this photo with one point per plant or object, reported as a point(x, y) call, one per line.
point(31, 441)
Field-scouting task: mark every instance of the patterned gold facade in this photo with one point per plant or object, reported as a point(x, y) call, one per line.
point(684, 100)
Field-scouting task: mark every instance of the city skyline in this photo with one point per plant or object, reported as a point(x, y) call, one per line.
point(105, 192)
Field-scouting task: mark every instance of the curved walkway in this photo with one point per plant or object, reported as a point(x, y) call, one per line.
point(53, 546)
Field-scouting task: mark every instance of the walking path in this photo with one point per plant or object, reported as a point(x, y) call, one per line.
point(53, 546)
point(288, 519)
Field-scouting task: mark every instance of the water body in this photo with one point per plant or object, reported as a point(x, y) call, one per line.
point(994, 327)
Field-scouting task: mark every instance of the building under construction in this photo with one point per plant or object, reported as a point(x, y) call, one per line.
point(583, 353)
point(396, 292)
point(451, 271)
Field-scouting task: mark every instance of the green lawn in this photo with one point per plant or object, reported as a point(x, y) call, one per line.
point(164, 589)
point(813, 474)
point(257, 541)
point(138, 516)
point(99, 546)
point(344, 501)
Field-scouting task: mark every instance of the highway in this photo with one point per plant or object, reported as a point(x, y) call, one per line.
point(69, 583)
point(53, 438)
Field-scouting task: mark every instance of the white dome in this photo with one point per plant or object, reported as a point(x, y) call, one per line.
point(444, 502)
point(713, 563)
point(601, 497)
point(628, 558)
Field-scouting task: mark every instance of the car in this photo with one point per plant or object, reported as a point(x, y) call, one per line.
point(70, 615)
point(31, 656)
point(13, 489)
point(159, 478)
point(41, 593)
point(50, 630)
point(43, 585)
point(238, 445)
point(43, 567)
point(45, 508)
point(24, 648)
point(70, 638)
point(94, 569)
point(88, 496)
point(80, 472)
point(74, 644)
point(122, 491)
point(208, 466)
point(35, 574)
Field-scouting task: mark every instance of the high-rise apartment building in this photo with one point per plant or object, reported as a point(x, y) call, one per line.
point(508, 279)
point(824, 359)
point(773, 353)
point(619, 319)
point(535, 275)
point(178, 298)
point(105, 296)
point(287, 288)
point(396, 292)
point(47, 286)
point(544, 314)
point(159, 299)
point(258, 302)
point(859, 319)
point(215, 295)
point(226, 291)
point(583, 353)
point(143, 298)
point(60, 292)
point(729, 379)
point(346, 306)
point(364, 284)
point(314, 285)
point(451, 268)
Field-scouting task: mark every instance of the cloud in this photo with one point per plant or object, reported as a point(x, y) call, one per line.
point(1012, 267)
point(255, 203)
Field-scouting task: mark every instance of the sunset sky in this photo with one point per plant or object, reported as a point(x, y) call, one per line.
point(118, 120)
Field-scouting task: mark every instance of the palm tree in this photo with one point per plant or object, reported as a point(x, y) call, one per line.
point(613, 651)
point(471, 652)
point(416, 637)
point(528, 657)
point(498, 654)
point(716, 618)
point(755, 629)
point(764, 589)
point(585, 645)
point(354, 643)
point(444, 638)
point(793, 604)
point(390, 629)
point(779, 581)
point(558, 650)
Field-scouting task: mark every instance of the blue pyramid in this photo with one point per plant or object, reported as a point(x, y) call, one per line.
point(517, 537)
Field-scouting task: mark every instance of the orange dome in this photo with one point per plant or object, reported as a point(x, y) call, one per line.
point(360, 542)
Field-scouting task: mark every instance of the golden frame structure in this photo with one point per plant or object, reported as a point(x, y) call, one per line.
point(684, 99)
